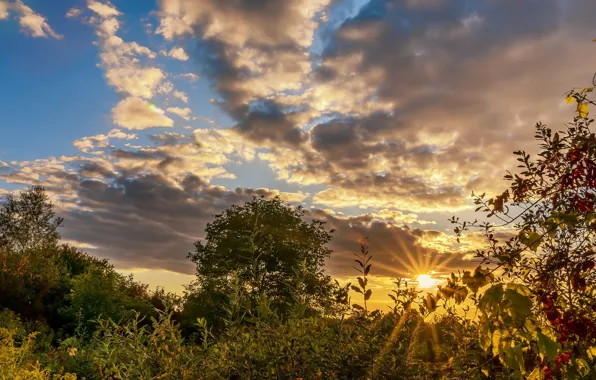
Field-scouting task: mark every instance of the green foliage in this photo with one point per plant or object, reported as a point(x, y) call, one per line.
point(139, 351)
point(18, 361)
point(104, 293)
point(268, 246)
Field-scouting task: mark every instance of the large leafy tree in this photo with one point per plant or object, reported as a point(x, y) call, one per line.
point(268, 248)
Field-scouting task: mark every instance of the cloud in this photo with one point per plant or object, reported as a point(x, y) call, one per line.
point(180, 95)
point(127, 67)
point(410, 106)
point(89, 143)
point(149, 221)
point(105, 9)
point(191, 77)
point(138, 82)
point(398, 251)
point(176, 53)
point(253, 53)
point(136, 113)
point(31, 23)
point(73, 12)
point(4, 10)
point(182, 112)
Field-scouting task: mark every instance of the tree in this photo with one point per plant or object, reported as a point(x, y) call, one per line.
point(29, 222)
point(30, 263)
point(270, 249)
point(541, 311)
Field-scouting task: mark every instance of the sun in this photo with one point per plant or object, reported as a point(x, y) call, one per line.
point(426, 281)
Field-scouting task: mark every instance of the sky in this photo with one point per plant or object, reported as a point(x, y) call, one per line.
point(143, 119)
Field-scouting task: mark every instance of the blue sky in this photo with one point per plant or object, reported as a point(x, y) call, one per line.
point(380, 116)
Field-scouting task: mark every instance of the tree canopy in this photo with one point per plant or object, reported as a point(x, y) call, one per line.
point(269, 247)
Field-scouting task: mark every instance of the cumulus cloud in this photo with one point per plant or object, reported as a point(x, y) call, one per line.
point(136, 113)
point(139, 82)
point(105, 10)
point(253, 53)
point(182, 112)
point(176, 53)
point(31, 23)
point(127, 67)
point(180, 95)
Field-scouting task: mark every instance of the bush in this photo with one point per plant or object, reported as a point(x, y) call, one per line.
point(18, 360)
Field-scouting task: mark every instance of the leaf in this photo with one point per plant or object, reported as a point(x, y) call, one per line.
point(356, 289)
point(362, 282)
point(532, 240)
point(547, 347)
point(514, 356)
point(461, 294)
point(570, 99)
point(496, 340)
point(479, 279)
point(583, 109)
point(367, 269)
point(582, 367)
point(367, 294)
point(519, 305)
point(431, 303)
point(485, 337)
point(536, 374)
point(492, 298)
point(357, 307)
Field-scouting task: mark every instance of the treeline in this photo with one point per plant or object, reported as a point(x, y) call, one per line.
point(262, 306)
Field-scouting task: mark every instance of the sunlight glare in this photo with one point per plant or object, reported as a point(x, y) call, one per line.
point(426, 281)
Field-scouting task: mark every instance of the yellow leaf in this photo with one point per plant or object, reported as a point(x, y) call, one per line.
point(582, 109)
point(570, 99)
